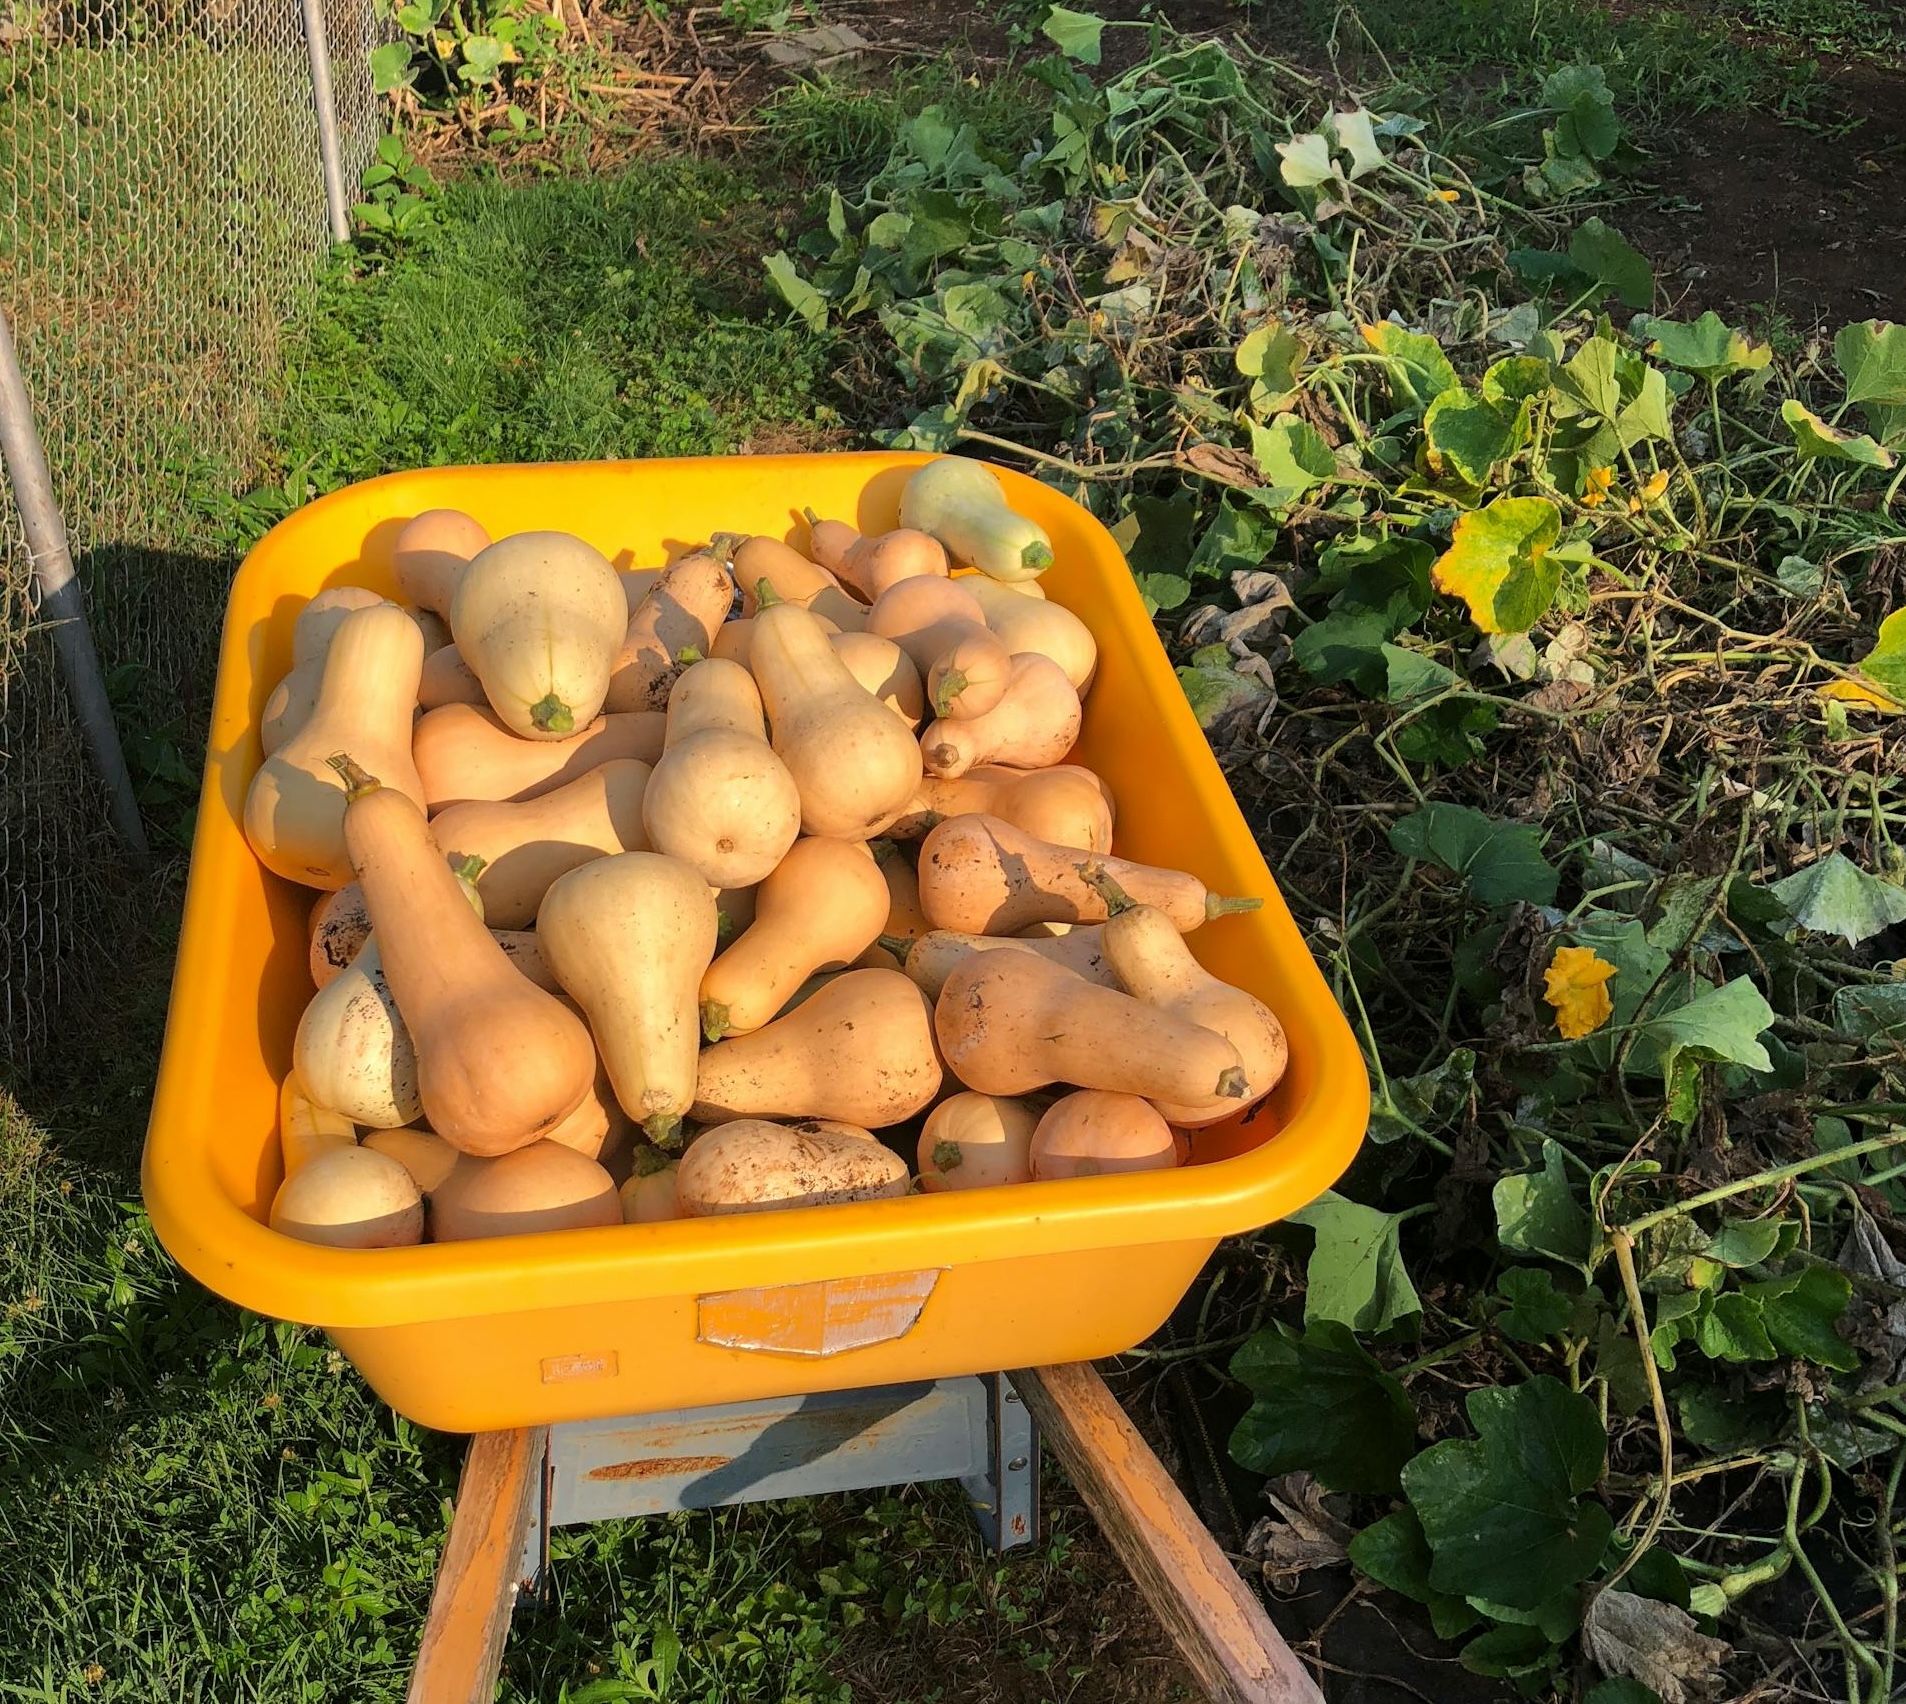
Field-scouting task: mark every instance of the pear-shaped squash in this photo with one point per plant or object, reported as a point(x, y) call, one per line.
point(294, 811)
point(854, 764)
point(1149, 956)
point(539, 617)
point(629, 938)
point(819, 909)
point(500, 1063)
point(859, 1049)
point(720, 799)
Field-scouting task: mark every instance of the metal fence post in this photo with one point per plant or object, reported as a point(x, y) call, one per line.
point(330, 152)
point(62, 604)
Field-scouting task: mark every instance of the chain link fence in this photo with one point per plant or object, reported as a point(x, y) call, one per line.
point(162, 214)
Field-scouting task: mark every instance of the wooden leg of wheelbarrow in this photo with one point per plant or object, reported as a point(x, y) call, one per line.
point(462, 1649)
point(1216, 1621)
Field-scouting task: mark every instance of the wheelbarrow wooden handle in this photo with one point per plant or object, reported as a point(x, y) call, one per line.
point(462, 1649)
point(1214, 1619)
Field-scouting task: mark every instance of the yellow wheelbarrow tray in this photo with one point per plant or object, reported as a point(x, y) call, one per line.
point(518, 1331)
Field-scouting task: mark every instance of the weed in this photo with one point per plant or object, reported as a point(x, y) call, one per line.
point(1536, 641)
point(467, 52)
point(1660, 61)
point(1851, 29)
point(837, 130)
point(400, 197)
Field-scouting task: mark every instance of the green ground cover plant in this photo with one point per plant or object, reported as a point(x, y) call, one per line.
point(1551, 644)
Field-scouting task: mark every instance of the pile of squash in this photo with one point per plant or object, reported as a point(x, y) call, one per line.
point(713, 888)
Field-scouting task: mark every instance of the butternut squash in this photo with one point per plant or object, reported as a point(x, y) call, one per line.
point(734, 641)
point(1034, 624)
point(875, 957)
point(648, 1198)
point(906, 919)
point(962, 504)
point(794, 579)
point(499, 1062)
point(1151, 960)
point(306, 1129)
point(853, 764)
point(463, 753)
point(289, 707)
point(861, 1049)
point(886, 671)
point(972, 578)
point(1010, 1022)
point(870, 563)
point(754, 1166)
point(714, 693)
point(543, 1187)
point(526, 845)
point(353, 1052)
point(833, 1126)
point(720, 799)
point(294, 698)
point(986, 877)
point(674, 625)
point(926, 618)
point(886, 559)
point(448, 679)
point(1065, 805)
point(830, 542)
point(629, 937)
point(425, 1155)
point(539, 618)
point(819, 909)
point(294, 811)
point(969, 678)
point(1032, 726)
point(350, 1198)
point(341, 923)
point(932, 957)
point(339, 928)
point(523, 950)
point(431, 554)
point(588, 1129)
point(973, 1141)
point(1091, 1133)
point(318, 622)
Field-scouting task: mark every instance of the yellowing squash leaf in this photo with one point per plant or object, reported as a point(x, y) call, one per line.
point(1498, 563)
point(1815, 439)
point(1866, 697)
point(1576, 985)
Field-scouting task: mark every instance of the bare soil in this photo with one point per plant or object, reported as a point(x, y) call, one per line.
point(1750, 216)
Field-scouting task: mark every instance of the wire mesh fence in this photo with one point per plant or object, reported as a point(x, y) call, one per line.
point(161, 214)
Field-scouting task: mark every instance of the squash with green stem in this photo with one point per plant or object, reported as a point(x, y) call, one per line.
point(962, 503)
point(500, 1063)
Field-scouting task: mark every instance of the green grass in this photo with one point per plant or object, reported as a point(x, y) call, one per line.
point(1852, 29)
point(200, 1505)
point(1661, 61)
point(557, 318)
